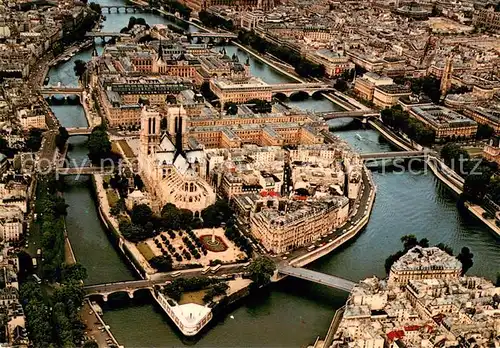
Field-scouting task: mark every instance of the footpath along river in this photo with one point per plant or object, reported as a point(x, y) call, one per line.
point(293, 312)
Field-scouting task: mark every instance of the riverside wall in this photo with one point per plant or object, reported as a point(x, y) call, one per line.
point(314, 255)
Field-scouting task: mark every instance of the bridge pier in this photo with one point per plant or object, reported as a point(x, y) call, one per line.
point(109, 9)
point(105, 297)
point(130, 294)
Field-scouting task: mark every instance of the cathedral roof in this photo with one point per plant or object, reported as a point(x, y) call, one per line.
point(166, 144)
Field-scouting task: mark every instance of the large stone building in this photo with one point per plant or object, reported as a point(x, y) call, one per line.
point(447, 124)
point(364, 86)
point(426, 313)
point(487, 17)
point(424, 263)
point(240, 91)
point(289, 211)
point(484, 115)
point(283, 226)
point(11, 223)
point(171, 174)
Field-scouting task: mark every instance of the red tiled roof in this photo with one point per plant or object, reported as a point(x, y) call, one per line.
point(412, 327)
point(395, 334)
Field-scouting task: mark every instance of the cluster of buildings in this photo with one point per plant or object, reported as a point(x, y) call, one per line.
point(287, 196)
point(395, 39)
point(13, 332)
point(26, 35)
point(425, 302)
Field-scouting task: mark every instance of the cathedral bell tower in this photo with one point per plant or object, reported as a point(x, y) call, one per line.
point(150, 131)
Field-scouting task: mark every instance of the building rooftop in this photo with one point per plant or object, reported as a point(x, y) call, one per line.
point(420, 258)
point(441, 117)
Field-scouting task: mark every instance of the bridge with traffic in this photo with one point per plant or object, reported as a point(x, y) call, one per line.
point(52, 90)
point(310, 88)
point(361, 114)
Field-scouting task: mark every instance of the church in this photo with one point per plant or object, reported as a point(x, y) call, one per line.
point(172, 174)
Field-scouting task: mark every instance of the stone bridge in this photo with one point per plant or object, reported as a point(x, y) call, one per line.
point(79, 131)
point(52, 90)
point(214, 35)
point(85, 170)
point(362, 114)
point(105, 34)
point(129, 287)
point(117, 8)
point(317, 277)
point(310, 88)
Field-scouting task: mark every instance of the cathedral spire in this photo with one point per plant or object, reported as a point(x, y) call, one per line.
point(160, 51)
point(178, 134)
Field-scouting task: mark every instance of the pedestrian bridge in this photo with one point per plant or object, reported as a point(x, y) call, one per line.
point(395, 155)
point(317, 277)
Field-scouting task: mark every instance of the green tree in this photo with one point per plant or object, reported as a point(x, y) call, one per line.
point(162, 263)
point(484, 131)
point(171, 216)
point(95, 7)
point(259, 105)
point(231, 108)
point(61, 138)
point(80, 68)
point(261, 270)
point(138, 183)
point(75, 272)
point(132, 232)
point(340, 85)
point(90, 344)
point(141, 214)
point(476, 184)
point(409, 241)
point(99, 144)
point(34, 141)
point(446, 248)
point(466, 258)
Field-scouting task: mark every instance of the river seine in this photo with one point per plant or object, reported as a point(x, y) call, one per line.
point(294, 312)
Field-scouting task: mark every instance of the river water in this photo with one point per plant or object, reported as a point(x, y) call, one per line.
point(293, 312)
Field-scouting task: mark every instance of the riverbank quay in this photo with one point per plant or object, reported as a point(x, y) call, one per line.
point(97, 329)
point(128, 249)
point(344, 234)
point(441, 171)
